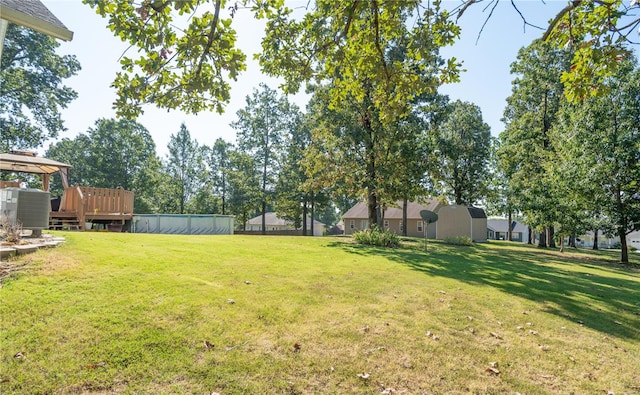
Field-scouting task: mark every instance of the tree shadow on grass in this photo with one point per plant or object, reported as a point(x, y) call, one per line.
point(566, 286)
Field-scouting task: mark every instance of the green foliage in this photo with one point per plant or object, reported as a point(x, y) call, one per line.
point(186, 56)
point(462, 152)
point(598, 34)
point(598, 142)
point(377, 237)
point(185, 167)
point(459, 240)
point(31, 88)
point(112, 154)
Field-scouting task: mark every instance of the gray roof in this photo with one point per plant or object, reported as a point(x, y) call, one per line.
point(361, 210)
point(501, 225)
point(34, 15)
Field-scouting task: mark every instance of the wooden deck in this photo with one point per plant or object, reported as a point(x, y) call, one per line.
point(79, 205)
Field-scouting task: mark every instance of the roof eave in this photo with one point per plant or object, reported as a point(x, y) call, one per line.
point(42, 26)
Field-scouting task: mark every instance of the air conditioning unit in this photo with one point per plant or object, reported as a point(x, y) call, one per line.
point(27, 207)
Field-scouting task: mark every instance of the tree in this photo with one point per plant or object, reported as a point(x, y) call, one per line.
point(188, 66)
point(525, 146)
point(219, 165)
point(599, 140)
point(262, 127)
point(244, 187)
point(112, 154)
point(185, 167)
point(31, 88)
point(463, 148)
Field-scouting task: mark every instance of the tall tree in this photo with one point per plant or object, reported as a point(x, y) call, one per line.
point(31, 88)
point(463, 148)
point(244, 187)
point(599, 140)
point(525, 145)
point(185, 166)
point(369, 58)
point(219, 166)
point(262, 126)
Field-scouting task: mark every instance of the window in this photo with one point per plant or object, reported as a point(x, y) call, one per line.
point(386, 223)
point(419, 226)
point(352, 224)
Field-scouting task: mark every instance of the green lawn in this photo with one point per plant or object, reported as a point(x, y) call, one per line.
point(161, 314)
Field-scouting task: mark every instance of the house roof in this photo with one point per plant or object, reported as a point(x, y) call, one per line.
point(271, 219)
point(34, 15)
point(501, 225)
point(30, 164)
point(361, 210)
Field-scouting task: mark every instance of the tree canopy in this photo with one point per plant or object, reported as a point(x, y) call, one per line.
point(31, 88)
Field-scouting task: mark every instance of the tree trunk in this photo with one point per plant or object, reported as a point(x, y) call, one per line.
point(304, 218)
point(572, 241)
point(551, 239)
point(509, 227)
point(264, 217)
point(595, 239)
point(530, 238)
point(624, 253)
point(404, 216)
point(313, 215)
point(542, 242)
point(561, 243)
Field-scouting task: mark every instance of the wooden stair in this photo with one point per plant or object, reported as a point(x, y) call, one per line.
point(64, 221)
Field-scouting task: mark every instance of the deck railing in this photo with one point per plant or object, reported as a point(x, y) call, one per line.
point(107, 201)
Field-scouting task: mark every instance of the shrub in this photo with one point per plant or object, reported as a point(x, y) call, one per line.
point(377, 237)
point(10, 233)
point(459, 240)
point(632, 248)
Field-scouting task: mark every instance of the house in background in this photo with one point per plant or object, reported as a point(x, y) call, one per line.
point(274, 224)
point(357, 218)
point(498, 228)
point(461, 221)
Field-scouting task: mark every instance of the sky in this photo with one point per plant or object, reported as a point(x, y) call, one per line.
point(486, 83)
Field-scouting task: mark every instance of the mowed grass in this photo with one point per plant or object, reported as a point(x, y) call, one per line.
point(164, 314)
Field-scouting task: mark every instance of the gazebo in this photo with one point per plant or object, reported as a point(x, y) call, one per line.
point(28, 162)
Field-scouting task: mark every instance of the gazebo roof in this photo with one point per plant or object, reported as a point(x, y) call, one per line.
point(35, 15)
point(31, 164)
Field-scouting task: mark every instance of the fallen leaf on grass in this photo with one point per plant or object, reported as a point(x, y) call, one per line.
point(433, 335)
point(247, 282)
point(533, 332)
point(208, 345)
point(442, 292)
point(231, 301)
point(472, 330)
point(365, 328)
point(388, 391)
point(19, 355)
point(496, 335)
point(96, 365)
point(544, 348)
point(519, 327)
point(493, 371)
point(364, 376)
point(296, 347)
point(493, 364)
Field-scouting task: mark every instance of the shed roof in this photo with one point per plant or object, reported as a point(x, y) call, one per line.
point(31, 164)
point(476, 212)
point(35, 15)
point(361, 210)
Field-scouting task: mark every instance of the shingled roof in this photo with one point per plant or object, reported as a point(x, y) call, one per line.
point(34, 15)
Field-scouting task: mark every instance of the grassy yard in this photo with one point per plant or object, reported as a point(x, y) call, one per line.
point(162, 314)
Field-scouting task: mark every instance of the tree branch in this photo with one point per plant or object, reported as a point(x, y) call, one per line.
point(212, 32)
point(560, 15)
